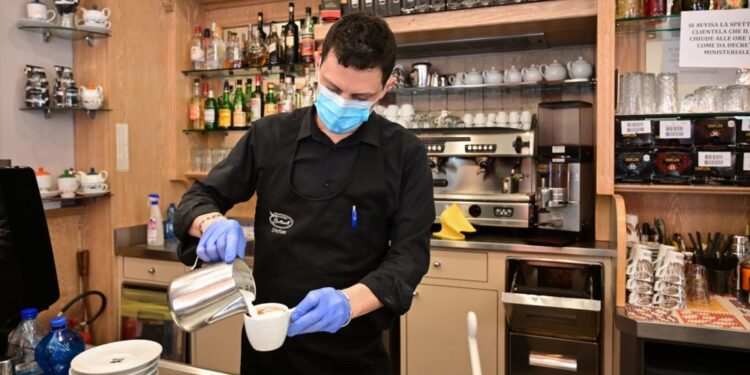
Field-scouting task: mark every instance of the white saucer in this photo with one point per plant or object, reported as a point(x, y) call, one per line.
point(94, 29)
point(89, 193)
point(49, 194)
point(28, 22)
point(121, 357)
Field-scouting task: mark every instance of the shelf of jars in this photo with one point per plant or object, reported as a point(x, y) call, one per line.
point(48, 111)
point(89, 34)
point(648, 24)
point(297, 70)
point(501, 87)
point(685, 116)
point(215, 131)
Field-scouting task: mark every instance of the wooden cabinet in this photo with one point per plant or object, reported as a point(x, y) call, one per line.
point(217, 347)
point(436, 332)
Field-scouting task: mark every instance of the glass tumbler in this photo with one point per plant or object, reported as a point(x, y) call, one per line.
point(197, 159)
point(737, 98)
point(697, 293)
point(666, 93)
point(709, 99)
point(631, 88)
point(648, 95)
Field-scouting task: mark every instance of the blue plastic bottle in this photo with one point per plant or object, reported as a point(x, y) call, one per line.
point(23, 340)
point(169, 233)
point(56, 350)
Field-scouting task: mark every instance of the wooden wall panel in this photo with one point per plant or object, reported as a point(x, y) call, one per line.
point(65, 236)
point(605, 98)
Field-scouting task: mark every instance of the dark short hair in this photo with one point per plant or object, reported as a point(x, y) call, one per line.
point(362, 41)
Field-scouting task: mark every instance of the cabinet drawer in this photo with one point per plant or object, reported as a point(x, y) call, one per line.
point(156, 271)
point(458, 265)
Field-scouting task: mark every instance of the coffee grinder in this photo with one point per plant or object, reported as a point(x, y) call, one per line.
point(565, 172)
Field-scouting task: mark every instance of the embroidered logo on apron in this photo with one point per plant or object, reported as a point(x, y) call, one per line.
point(280, 222)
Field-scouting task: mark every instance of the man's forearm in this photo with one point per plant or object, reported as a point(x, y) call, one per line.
point(362, 300)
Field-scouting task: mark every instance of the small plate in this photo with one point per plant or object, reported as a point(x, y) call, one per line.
point(49, 194)
point(94, 29)
point(122, 357)
point(87, 193)
point(28, 22)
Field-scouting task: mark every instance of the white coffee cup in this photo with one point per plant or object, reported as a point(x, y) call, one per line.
point(664, 250)
point(268, 331)
point(379, 109)
point(638, 286)
point(502, 118)
point(491, 118)
point(44, 182)
point(479, 119)
point(406, 110)
point(526, 117)
point(514, 117)
point(457, 79)
point(640, 251)
point(39, 12)
point(468, 119)
point(391, 111)
point(68, 186)
point(640, 299)
point(93, 187)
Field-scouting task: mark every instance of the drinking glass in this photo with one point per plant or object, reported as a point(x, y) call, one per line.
point(709, 99)
point(631, 88)
point(666, 93)
point(197, 159)
point(737, 98)
point(648, 95)
point(697, 293)
point(687, 104)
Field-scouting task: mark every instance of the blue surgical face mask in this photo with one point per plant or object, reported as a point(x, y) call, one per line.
point(341, 115)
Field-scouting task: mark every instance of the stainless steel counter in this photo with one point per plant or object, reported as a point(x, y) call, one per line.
point(130, 242)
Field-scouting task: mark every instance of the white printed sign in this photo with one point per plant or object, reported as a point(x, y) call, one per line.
point(636, 127)
point(558, 149)
point(745, 125)
point(714, 159)
point(746, 162)
point(715, 39)
point(674, 129)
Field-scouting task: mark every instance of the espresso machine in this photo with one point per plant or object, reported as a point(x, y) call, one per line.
point(565, 170)
point(488, 173)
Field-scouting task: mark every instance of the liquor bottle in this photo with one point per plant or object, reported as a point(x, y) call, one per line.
point(274, 47)
point(214, 51)
point(260, 28)
point(271, 103)
point(225, 109)
point(194, 107)
point(234, 52)
point(308, 91)
point(281, 93)
point(307, 38)
point(209, 112)
point(257, 52)
point(248, 96)
point(291, 39)
point(204, 96)
point(688, 5)
point(256, 102)
point(197, 53)
point(287, 100)
point(239, 116)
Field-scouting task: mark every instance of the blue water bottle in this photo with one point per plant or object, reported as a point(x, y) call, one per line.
point(56, 350)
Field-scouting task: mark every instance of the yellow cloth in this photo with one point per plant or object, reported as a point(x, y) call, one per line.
point(452, 223)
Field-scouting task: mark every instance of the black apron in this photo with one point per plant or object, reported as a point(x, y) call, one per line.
point(304, 243)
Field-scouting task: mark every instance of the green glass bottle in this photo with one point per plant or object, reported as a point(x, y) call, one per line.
point(271, 102)
point(239, 116)
point(225, 109)
point(209, 112)
point(248, 98)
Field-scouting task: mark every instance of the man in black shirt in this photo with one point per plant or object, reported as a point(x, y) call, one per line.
point(343, 216)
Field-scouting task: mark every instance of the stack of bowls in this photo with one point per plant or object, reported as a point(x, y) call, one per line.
point(130, 357)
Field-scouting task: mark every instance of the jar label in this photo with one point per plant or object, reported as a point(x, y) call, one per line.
point(636, 127)
point(746, 162)
point(715, 159)
point(746, 125)
point(194, 112)
point(210, 115)
point(674, 129)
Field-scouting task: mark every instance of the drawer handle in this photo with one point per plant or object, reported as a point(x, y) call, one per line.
point(152, 270)
point(553, 361)
point(416, 293)
point(437, 264)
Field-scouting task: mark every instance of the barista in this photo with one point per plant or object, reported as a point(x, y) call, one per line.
point(343, 215)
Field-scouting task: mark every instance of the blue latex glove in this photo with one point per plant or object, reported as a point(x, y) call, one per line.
point(322, 310)
point(223, 240)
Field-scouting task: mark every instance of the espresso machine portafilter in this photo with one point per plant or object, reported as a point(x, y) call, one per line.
point(565, 168)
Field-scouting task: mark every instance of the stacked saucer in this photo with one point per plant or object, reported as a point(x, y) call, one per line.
point(130, 357)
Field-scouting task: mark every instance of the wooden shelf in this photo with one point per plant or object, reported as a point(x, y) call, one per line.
point(196, 175)
point(678, 189)
point(564, 22)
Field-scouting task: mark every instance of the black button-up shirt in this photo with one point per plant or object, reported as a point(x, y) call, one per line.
point(320, 168)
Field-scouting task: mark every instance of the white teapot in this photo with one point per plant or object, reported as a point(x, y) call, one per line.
point(492, 76)
point(554, 71)
point(580, 68)
point(92, 181)
point(92, 97)
point(95, 17)
point(513, 75)
point(473, 77)
point(531, 74)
